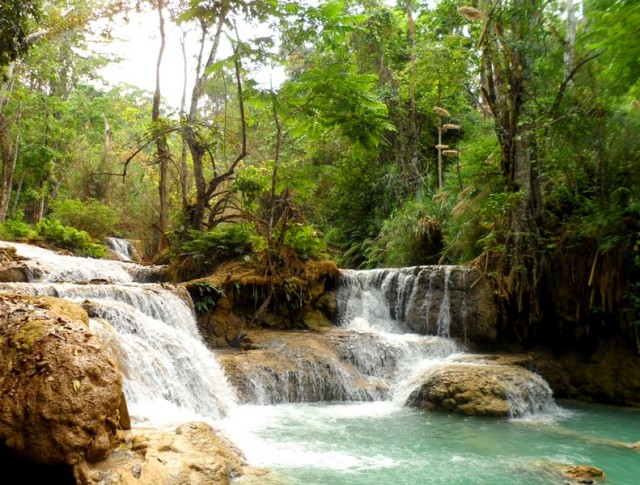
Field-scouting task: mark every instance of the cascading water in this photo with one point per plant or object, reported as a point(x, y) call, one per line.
point(168, 373)
point(121, 247)
point(393, 324)
point(381, 306)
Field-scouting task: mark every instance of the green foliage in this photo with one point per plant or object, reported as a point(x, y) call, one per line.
point(335, 95)
point(15, 18)
point(205, 296)
point(306, 241)
point(91, 216)
point(411, 235)
point(66, 237)
point(224, 241)
point(12, 230)
point(199, 253)
point(250, 182)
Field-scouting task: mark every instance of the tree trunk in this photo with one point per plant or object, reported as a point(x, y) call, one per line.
point(162, 147)
point(274, 175)
point(184, 173)
point(414, 136)
point(506, 88)
point(190, 134)
point(569, 54)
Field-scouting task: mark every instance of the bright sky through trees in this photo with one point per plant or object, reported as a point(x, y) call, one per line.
point(137, 43)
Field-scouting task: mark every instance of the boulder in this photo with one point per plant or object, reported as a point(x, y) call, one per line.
point(193, 453)
point(60, 389)
point(15, 269)
point(582, 472)
point(569, 474)
point(480, 390)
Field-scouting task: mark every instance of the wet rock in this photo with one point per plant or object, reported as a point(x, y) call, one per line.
point(480, 390)
point(296, 367)
point(569, 474)
point(193, 453)
point(60, 388)
point(581, 473)
point(15, 269)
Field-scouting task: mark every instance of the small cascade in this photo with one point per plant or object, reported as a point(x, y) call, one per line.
point(169, 375)
point(385, 315)
point(444, 315)
point(389, 356)
point(533, 397)
point(170, 305)
point(405, 300)
point(121, 247)
point(61, 268)
point(305, 379)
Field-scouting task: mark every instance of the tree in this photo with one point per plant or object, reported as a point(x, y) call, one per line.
point(213, 16)
point(160, 135)
point(15, 18)
point(511, 30)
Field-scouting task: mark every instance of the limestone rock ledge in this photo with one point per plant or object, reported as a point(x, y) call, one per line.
point(480, 390)
point(60, 389)
point(292, 366)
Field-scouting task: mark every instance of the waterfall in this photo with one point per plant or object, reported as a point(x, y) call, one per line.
point(398, 300)
point(121, 247)
point(169, 375)
point(398, 323)
point(391, 323)
point(61, 268)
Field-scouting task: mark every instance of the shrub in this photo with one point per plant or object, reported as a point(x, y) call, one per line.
point(66, 237)
point(12, 230)
point(199, 254)
point(306, 241)
point(91, 216)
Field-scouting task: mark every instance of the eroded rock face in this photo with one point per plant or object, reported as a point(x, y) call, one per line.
point(251, 300)
point(60, 390)
point(278, 367)
point(191, 454)
point(611, 374)
point(480, 390)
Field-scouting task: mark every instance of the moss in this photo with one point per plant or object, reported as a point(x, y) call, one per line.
point(28, 335)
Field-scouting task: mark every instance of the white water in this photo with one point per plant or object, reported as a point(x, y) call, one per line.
point(170, 376)
point(121, 247)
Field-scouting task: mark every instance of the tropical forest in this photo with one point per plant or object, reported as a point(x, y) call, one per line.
point(320, 242)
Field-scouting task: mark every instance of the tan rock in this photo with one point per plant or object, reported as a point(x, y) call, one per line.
point(582, 471)
point(316, 320)
point(294, 366)
point(480, 390)
point(60, 388)
point(610, 374)
point(192, 453)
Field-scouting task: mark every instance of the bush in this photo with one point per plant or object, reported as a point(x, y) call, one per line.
point(202, 251)
point(306, 241)
point(66, 237)
point(91, 216)
point(12, 230)
point(412, 235)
